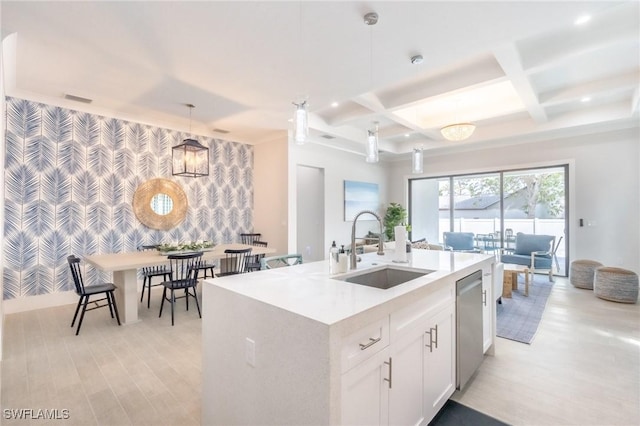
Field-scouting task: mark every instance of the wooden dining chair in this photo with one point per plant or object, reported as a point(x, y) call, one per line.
point(234, 262)
point(184, 277)
point(86, 292)
point(249, 238)
point(253, 263)
point(149, 272)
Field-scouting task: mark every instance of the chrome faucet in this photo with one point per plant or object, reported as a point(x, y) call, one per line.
point(353, 257)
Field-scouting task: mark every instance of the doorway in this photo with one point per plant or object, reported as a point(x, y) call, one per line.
point(310, 213)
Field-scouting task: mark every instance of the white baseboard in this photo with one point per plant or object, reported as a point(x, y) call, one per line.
point(12, 306)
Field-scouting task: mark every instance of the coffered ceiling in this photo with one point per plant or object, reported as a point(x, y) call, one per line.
point(520, 71)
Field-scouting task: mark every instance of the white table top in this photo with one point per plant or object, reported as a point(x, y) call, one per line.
point(310, 291)
point(138, 259)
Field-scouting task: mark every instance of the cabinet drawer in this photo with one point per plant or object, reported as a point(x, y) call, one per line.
point(364, 343)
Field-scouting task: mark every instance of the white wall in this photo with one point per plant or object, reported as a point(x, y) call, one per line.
point(338, 166)
point(604, 187)
point(270, 186)
point(310, 214)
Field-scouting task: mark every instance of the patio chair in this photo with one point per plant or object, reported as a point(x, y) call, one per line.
point(459, 241)
point(534, 251)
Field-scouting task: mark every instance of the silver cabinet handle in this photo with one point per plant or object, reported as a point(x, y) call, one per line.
point(390, 379)
point(484, 297)
point(372, 342)
point(433, 343)
point(436, 341)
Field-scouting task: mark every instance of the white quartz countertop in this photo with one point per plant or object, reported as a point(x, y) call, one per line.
point(309, 290)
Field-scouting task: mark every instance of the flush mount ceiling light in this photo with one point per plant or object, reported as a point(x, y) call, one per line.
point(190, 158)
point(458, 131)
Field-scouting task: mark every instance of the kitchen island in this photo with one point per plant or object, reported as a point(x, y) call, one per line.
point(299, 346)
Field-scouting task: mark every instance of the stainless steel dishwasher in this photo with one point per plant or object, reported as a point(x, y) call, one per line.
point(469, 326)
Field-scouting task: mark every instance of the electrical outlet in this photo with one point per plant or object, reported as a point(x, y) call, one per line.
point(250, 352)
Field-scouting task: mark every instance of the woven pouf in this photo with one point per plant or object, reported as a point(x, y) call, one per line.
point(616, 284)
point(581, 273)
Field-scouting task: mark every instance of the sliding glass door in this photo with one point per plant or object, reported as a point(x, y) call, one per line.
point(494, 207)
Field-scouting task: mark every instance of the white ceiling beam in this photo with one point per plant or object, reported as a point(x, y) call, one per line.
point(509, 59)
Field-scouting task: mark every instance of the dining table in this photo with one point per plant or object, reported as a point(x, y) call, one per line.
point(124, 267)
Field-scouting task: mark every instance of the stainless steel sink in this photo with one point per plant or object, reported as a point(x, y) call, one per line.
point(384, 278)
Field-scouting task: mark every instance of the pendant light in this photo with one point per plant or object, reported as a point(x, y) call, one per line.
point(190, 158)
point(417, 160)
point(300, 123)
point(372, 145)
point(301, 112)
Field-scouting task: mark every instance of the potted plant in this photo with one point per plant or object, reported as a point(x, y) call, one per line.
point(395, 215)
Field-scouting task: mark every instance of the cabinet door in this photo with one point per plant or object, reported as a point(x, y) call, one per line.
point(439, 361)
point(406, 395)
point(365, 392)
point(488, 303)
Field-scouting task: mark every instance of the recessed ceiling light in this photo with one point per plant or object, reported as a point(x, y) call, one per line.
point(406, 135)
point(334, 104)
point(582, 20)
point(585, 99)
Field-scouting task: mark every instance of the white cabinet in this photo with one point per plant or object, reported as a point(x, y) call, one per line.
point(491, 291)
point(488, 303)
point(440, 361)
point(408, 381)
point(365, 391)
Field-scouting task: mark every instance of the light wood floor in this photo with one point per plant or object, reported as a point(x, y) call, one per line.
point(583, 367)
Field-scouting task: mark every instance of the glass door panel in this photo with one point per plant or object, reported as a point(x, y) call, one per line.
point(476, 209)
point(429, 209)
point(534, 203)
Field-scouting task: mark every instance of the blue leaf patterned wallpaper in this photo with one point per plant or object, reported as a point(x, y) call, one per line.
point(69, 183)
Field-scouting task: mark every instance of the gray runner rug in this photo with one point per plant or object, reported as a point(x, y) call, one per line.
point(518, 318)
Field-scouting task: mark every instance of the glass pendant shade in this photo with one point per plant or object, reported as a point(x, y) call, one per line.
point(458, 131)
point(372, 146)
point(300, 123)
point(417, 160)
point(190, 159)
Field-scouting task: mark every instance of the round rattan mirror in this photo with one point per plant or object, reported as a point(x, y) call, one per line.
point(160, 204)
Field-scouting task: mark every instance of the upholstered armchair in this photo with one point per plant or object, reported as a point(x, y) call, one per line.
point(459, 241)
point(534, 251)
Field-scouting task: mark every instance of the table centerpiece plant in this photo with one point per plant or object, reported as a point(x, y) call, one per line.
point(185, 247)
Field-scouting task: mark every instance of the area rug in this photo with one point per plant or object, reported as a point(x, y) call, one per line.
point(456, 414)
point(518, 318)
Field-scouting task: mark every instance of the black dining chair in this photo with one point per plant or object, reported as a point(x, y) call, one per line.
point(207, 267)
point(150, 272)
point(253, 263)
point(184, 277)
point(86, 292)
point(249, 238)
point(234, 262)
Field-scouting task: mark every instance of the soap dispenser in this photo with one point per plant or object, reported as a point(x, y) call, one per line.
point(343, 260)
point(333, 258)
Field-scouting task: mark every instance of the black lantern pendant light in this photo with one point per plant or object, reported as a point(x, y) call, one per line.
point(190, 158)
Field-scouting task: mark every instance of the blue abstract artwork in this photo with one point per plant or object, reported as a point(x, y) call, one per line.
point(360, 196)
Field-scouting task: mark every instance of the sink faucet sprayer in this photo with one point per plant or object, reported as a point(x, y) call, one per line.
point(352, 255)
